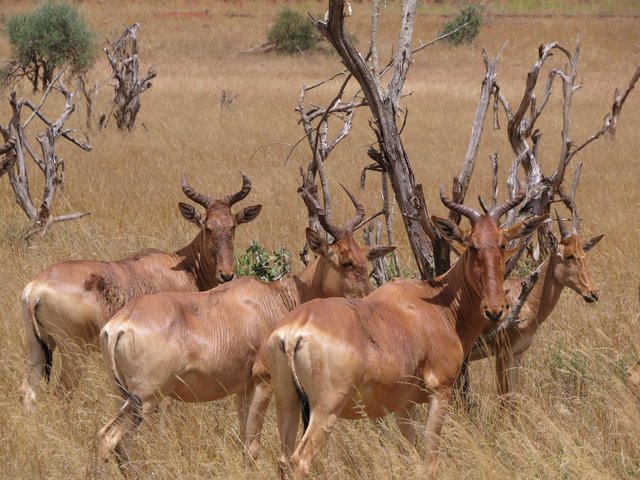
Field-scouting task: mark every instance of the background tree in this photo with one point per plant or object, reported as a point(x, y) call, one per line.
point(52, 36)
point(465, 26)
point(292, 32)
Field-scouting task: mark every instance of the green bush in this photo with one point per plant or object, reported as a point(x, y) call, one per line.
point(292, 32)
point(471, 14)
point(52, 36)
point(257, 262)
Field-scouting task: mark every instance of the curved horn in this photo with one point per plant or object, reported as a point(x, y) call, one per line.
point(468, 212)
point(200, 199)
point(500, 209)
point(244, 191)
point(332, 230)
point(564, 232)
point(9, 145)
point(483, 205)
point(355, 221)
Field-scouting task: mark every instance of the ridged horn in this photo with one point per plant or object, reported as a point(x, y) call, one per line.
point(332, 230)
point(200, 199)
point(244, 191)
point(564, 232)
point(351, 225)
point(463, 210)
point(502, 208)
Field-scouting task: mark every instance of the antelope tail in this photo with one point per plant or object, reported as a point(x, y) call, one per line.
point(29, 306)
point(109, 346)
point(289, 348)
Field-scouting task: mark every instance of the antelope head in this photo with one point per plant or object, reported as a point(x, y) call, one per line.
point(484, 246)
point(342, 266)
point(218, 224)
point(570, 257)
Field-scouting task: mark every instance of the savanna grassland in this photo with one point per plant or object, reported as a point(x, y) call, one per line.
point(576, 419)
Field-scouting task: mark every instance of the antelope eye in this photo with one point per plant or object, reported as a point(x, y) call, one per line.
point(503, 247)
point(347, 265)
point(570, 257)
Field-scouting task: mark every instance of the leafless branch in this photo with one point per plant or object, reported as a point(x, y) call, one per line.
point(40, 212)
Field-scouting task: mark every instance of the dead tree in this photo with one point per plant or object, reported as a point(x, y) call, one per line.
point(430, 252)
point(384, 105)
point(123, 58)
point(89, 94)
point(52, 167)
point(543, 189)
point(525, 139)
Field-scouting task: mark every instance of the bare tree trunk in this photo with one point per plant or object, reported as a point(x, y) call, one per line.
point(384, 108)
point(123, 57)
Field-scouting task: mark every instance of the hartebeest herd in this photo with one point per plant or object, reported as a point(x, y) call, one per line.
point(322, 342)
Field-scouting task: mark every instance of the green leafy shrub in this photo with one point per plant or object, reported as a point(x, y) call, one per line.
point(257, 262)
point(292, 32)
point(472, 15)
point(52, 36)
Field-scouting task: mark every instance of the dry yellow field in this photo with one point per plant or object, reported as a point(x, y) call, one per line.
point(576, 418)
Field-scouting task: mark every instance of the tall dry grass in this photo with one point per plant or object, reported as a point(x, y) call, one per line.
point(576, 418)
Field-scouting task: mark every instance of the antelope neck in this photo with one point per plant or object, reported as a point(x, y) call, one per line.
point(545, 294)
point(302, 287)
point(464, 304)
point(198, 264)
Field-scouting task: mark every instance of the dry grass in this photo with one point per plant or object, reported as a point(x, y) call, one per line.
point(577, 419)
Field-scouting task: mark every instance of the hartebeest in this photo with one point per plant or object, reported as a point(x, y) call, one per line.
point(200, 347)
point(565, 266)
point(66, 305)
point(402, 345)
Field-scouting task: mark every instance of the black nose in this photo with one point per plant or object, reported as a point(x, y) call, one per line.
point(591, 297)
point(225, 278)
point(493, 316)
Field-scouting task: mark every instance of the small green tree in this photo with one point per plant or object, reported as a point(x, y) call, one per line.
point(471, 15)
point(293, 32)
point(52, 36)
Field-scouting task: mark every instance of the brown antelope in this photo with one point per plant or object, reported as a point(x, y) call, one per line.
point(67, 304)
point(402, 345)
point(565, 266)
point(200, 347)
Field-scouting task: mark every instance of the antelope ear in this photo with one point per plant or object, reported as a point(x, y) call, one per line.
point(374, 253)
point(525, 227)
point(190, 213)
point(552, 241)
point(589, 244)
point(247, 214)
point(510, 253)
point(448, 229)
point(317, 242)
